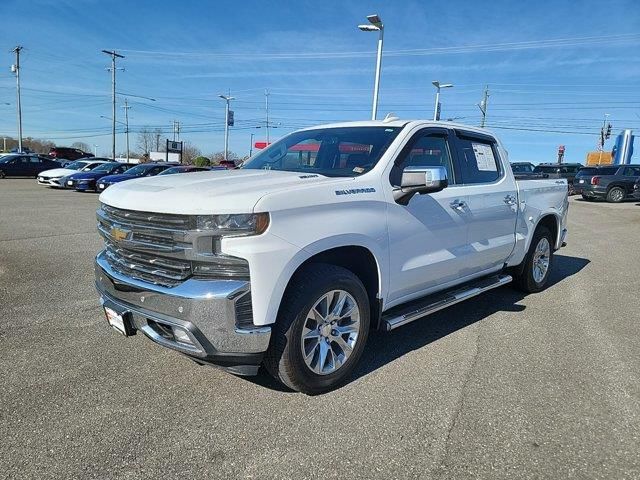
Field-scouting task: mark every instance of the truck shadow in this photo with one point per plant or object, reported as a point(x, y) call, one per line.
point(383, 348)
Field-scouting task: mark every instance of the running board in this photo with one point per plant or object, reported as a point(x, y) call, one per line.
point(403, 314)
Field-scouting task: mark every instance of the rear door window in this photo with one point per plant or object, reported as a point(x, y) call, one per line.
point(632, 171)
point(478, 159)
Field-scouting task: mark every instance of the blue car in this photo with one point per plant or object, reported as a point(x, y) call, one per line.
point(85, 181)
point(139, 171)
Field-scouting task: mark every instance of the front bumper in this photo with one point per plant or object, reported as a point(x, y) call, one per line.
point(84, 186)
point(206, 309)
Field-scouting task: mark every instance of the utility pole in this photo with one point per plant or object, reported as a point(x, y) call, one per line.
point(157, 142)
point(602, 137)
point(266, 105)
point(126, 123)
point(251, 145)
point(16, 69)
point(113, 56)
point(483, 105)
point(176, 130)
point(227, 99)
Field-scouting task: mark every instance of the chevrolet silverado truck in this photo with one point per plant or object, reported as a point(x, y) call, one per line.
point(290, 261)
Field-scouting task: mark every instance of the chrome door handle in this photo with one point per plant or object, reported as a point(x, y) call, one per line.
point(510, 200)
point(458, 204)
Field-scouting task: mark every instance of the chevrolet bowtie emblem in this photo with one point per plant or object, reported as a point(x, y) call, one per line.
point(119, 233)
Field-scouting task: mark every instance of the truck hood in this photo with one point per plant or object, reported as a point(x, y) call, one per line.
point(222, 191)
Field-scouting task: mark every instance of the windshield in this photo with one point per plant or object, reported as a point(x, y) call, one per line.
point(547, 169)
point(522, 168)
point(172, 170)
point(333, 152)
point(105, 167)
point(76, 165)
point(138, 170)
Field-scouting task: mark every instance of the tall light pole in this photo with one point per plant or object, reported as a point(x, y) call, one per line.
point(16, 69)
point(375, 25)
point(483, 106)
point(95, 150)
point(227, 99)
point(113, 56)
point(266, 107)
point(438, 85)
point(126, 123)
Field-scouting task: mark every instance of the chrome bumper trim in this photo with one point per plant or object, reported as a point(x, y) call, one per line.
point(206, 308)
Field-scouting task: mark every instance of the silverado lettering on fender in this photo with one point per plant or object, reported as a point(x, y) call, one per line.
point(328, 233)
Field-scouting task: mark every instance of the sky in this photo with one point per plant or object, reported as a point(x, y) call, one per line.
point(554, 69)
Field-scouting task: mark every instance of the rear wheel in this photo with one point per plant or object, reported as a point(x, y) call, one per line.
point(615, 195)
point(537, 264)
point(321, 330)
point(588, 199)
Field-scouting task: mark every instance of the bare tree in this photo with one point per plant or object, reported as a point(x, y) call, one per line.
point(146, 141)
point(217, 157)
point(189, 152)
point(85, 147)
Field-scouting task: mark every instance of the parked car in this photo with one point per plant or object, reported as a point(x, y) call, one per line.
point(25, 165)
point(68, 153)
point(560, 170)
point(584, 175)
point(84, 181)
point(525, 171)
point(229, 164)
point(328, 233)
point(188, 169)
point(55, 178)
point(614, 187)
point(141, 170)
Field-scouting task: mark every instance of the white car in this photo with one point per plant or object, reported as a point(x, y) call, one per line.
point(53, 178)
point(328, 233)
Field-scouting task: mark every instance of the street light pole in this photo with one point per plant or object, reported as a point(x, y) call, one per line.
point(266, 106)
point(227, 99)
point(126, 123)
point(438, 85)
point(16, 69)
point(251, 145)
point(113, 55)
point(376, 25)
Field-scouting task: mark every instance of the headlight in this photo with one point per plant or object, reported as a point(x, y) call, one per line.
point(222, 266)
point(236, 225)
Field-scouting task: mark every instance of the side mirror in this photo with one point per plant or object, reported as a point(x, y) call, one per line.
point(420, 180)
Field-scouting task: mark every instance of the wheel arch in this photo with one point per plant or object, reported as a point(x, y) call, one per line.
point(359, 259)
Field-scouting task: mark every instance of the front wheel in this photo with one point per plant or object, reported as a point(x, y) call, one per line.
point(2, 175)
point(537, 264)
point(321, 329)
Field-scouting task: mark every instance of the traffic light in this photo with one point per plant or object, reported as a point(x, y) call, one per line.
point(608, 134)
point(601, 137)
point(230, 121)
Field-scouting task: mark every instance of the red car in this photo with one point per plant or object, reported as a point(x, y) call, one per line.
point(68, 153)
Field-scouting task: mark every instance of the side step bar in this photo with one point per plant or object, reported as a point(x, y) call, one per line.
point(403, 314)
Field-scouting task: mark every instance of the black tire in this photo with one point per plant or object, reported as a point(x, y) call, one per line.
point(588, 199)
point(2, 175)
point(284, 358)
point(616, 195)
point(524, 279)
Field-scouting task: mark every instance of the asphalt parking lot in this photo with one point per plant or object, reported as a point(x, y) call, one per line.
point(502, 386)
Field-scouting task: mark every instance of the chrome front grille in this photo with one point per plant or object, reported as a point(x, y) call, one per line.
point(164, 249)
point(152, 247)
point(150, 268)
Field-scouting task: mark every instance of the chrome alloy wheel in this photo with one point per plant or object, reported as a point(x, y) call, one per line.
point(617, 195)
point(541, 258)
point(330, 332)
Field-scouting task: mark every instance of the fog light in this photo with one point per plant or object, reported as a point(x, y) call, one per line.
point(181, 335)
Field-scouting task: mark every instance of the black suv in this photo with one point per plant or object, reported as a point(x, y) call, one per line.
point(560, 170)
point(585, 174)
point(614, 187)
point(68, 153)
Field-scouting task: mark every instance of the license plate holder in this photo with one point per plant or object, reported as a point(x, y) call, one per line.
point(119, 321)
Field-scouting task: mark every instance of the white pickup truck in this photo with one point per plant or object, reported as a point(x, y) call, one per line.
point(328, 233)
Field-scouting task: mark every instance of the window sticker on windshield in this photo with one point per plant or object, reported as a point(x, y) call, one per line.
point(484, 157)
